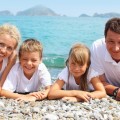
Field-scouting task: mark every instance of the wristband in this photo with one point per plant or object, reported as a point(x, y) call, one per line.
point(115, 92)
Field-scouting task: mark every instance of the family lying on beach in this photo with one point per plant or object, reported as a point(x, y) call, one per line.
point(89, 74)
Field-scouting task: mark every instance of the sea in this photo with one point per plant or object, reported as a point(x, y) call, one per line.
point(57, 35)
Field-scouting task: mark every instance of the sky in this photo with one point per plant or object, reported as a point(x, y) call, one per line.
point(64, 7)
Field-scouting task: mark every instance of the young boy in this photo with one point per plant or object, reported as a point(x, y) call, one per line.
point(9, 39)
point(28, 75)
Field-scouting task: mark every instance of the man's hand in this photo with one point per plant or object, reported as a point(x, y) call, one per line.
point(118, 95)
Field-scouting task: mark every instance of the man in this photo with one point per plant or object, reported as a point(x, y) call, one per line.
point(105, 58)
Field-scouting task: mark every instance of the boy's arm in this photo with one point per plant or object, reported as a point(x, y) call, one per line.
point(9, 94)
point(20, 97)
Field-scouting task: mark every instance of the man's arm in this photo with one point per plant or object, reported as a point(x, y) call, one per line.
point(108, 87)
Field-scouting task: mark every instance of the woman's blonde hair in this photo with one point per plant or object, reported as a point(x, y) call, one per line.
point(80, 53)
point(31, 45)
point(12, 31)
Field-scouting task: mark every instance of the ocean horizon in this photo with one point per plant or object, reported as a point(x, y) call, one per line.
point(58, 34)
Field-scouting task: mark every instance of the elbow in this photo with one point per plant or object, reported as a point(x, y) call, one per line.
point(103, 94)
point(99, 94)
point(50, 96)
point(1, 92)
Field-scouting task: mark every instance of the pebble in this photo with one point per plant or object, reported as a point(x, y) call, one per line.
point(97, 109)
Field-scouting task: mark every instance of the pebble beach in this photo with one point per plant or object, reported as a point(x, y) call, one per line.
point(103, 109)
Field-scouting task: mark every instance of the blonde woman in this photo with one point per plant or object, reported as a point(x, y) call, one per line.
point(9, 39)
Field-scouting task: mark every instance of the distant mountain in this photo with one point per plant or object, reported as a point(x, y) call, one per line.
point(37, 11)
point(84, 15)
point(107, 15)
point(102, 15)
point(5, 13)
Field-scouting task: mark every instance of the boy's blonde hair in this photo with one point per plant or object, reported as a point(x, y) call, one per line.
point(31, 45)
point(80, 54)
point(12, 31)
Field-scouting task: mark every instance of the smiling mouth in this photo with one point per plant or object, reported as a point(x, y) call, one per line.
point(29, 68)
point(1, 55)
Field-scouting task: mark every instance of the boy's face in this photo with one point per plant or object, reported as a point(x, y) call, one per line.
point(29, 62)
point(7, 45)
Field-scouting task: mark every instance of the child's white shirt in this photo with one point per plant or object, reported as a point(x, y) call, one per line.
point(69, 80)
point(4, 64)
point(16, 81)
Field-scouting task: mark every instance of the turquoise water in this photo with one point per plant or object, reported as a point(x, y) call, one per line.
point(58, 34)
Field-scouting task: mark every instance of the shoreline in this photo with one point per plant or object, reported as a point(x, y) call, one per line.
point(98, 109)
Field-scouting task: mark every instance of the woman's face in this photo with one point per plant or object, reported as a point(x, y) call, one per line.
point(7, 46)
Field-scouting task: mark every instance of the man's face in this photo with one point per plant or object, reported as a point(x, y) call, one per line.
point(113, 44)
point(7, 45)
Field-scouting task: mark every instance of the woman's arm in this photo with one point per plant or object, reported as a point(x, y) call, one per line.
point(99, 90)
point(11, 62)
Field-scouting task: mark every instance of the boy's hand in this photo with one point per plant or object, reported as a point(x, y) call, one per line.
point(39, 95)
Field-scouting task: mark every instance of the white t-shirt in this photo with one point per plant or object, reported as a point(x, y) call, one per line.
point(102, 63)
point(4, 64)
point(17, 82)
point(69, 80)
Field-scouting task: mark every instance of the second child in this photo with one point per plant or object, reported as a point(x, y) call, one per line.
point(28, 75)
point(72, 83)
